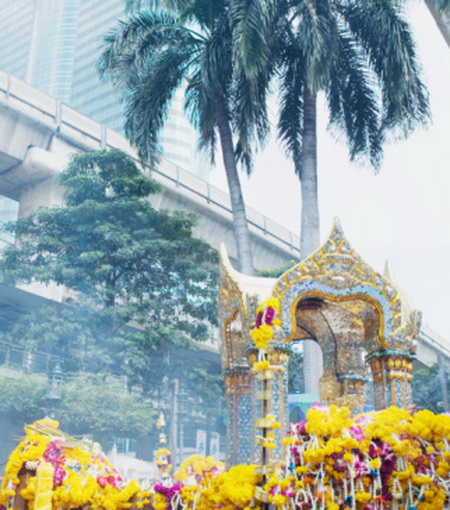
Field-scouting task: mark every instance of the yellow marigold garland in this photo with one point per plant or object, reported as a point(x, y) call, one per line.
point(44, 486)
point(375, 461)
point(379, 460)
point(163, 460)
point(234, 489)
point(266, 324)
point(197, 467)
point(81, 474)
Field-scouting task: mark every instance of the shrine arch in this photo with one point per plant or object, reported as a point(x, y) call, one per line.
point(336, 279)
point(358, 317)
point(346, 328)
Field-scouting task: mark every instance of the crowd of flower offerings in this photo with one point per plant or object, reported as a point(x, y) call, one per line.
point(386, 459)
point(389, 459)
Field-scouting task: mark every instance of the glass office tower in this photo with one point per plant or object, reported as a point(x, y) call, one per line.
point(16, 30)
point(37, 43)
point(90, 95)
point(53, 47)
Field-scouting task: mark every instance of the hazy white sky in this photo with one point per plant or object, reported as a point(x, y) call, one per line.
point(401, 214)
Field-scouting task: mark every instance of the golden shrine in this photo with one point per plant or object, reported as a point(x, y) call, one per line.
point(360, 320)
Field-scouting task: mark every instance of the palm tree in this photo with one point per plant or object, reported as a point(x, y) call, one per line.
point(361, 55)
point(188, 44)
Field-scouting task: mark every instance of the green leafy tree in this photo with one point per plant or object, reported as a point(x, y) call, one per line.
point(204, 383)
point(96, 405)
point(23, 398)
point(278, 271)
point(139, 278)
point(187, 44)
point(103, 407)
point(359, 53)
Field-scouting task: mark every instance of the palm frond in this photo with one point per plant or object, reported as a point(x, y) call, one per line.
point(216, 59)
point(244, 155)
point(205, 13)
point(147, 58)
point(385, 36)
point(442, 5)
point(134, 5)
point(353, 102)
point(133, 42)
point(249, 114)
point(202, 111)
point(315, 29)
point(252, 22)
point(151, 91)
point(290, 123)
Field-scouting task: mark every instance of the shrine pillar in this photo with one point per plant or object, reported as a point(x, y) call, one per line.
point(392, 378)
point(271, 386)
point(240, 416)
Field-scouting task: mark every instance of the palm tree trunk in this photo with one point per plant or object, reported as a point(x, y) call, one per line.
point(310, 235)
point(442, 19)
point(240, 225)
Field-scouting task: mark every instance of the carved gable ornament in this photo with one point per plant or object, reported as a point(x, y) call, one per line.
point(338, 272)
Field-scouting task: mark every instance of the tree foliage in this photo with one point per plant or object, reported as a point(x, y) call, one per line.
point(278, 271)
point(90, 404)
point(23, 398)
point(121, 259)
point(441, 4)
point(361, 54)
point(167, 45)
point(100, 405)
point(140, 288)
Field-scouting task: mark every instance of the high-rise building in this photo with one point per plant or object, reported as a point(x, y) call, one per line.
point(55, 46)
point(52, 49)
point(37, 43)
point(16, 29)
point(90, 95)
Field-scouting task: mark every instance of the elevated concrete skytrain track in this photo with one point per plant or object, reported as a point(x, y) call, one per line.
point(37, 136)
point(38, 133)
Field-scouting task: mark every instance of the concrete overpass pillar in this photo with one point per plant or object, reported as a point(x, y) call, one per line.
point(39, 169)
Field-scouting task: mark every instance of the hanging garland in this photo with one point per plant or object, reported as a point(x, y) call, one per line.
point(70, 473)
point(163, 456)
point(163, 460)
point(379, 460)
point(267, 326)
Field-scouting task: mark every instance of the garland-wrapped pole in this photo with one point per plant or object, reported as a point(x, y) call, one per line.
point(163, 457)
point(44, 486)
point(266, 329)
